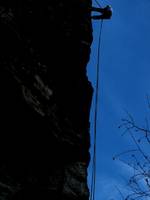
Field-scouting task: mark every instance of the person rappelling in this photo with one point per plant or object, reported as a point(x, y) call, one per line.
point(106, 12)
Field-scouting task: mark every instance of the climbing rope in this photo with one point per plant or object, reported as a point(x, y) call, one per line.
point(98, 4)
point(93, 178)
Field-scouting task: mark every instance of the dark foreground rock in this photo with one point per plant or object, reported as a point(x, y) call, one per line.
point(45, 99)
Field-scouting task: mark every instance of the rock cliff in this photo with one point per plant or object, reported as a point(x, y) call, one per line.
point(45, 99)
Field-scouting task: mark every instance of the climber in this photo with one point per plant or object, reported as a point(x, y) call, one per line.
point(106, 12)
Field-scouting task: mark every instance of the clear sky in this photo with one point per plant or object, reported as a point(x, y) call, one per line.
point(124, 83)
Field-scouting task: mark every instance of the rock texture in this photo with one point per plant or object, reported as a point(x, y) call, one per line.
point(45, 99)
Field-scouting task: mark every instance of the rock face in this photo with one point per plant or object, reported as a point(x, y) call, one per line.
point(45, 99)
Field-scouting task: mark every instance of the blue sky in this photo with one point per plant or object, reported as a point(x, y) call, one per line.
point(124, 83)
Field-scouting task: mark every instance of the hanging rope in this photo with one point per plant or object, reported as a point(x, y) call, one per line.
point(98, 4)
point(93, 179)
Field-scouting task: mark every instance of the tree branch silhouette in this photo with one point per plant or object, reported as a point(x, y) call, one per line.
point(136, 159)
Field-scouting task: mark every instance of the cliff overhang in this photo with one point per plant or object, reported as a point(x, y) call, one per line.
point(45, 99)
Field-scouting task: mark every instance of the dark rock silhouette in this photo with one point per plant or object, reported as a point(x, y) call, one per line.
point(45, 99)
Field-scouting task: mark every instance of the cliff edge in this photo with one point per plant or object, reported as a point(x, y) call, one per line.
point(45, 99)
